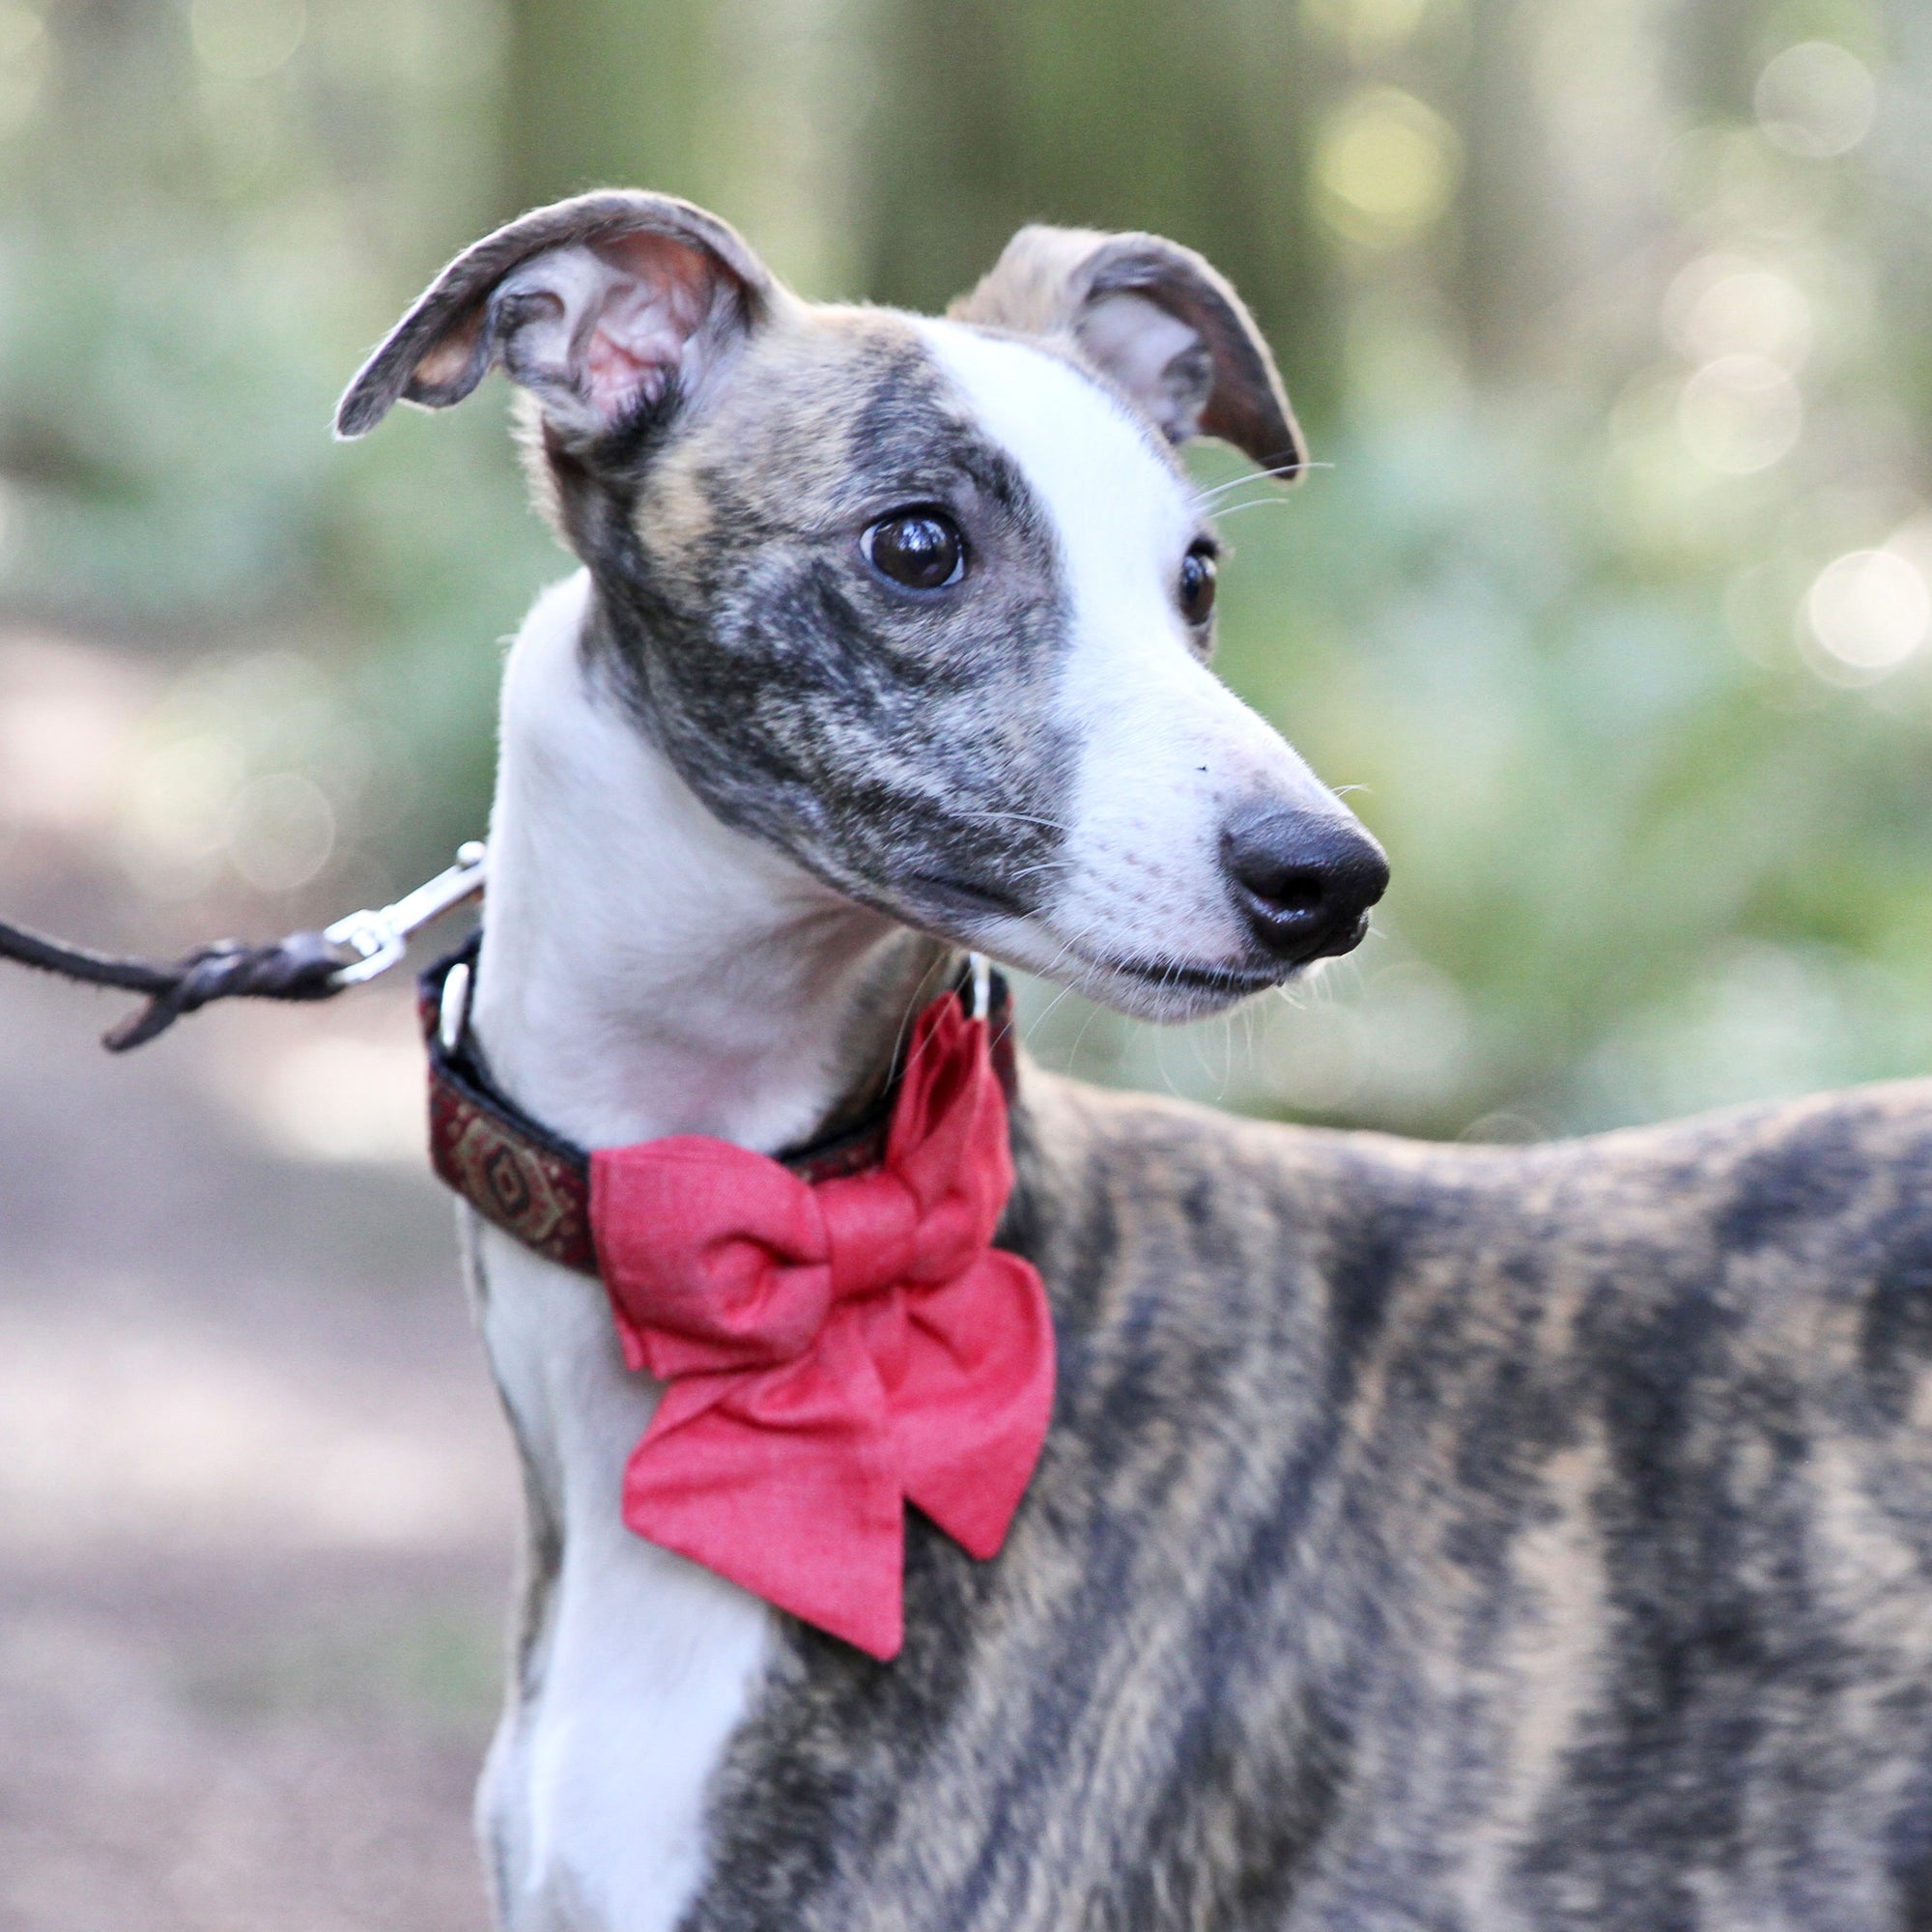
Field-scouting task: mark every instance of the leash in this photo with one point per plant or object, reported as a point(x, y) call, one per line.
point(301, 966)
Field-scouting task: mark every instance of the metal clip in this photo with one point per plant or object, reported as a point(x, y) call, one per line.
point(452, 1013)
point(982, 985)
point(380, 936)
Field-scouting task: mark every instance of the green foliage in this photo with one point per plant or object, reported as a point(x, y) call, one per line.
point(1613, 603)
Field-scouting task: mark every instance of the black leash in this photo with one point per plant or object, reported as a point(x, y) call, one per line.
point(303, 966)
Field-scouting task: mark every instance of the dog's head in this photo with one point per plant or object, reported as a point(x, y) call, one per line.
point(928, 604)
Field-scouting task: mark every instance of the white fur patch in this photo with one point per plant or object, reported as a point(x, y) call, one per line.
point(1167, 752)
point(591, 1805)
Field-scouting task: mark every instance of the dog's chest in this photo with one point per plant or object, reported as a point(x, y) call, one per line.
point(633, 1665)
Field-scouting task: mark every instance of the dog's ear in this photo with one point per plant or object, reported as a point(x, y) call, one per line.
point(1159, 321)
point(597, 306)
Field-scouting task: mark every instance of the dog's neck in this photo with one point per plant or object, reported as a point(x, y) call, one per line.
point(647, 970)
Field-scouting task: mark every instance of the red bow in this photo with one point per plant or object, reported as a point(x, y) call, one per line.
point(831, 1351)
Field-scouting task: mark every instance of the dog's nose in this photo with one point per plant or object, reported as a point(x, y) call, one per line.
point(1304, 883)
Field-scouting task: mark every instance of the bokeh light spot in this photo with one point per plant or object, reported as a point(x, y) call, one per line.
point(1740, 413)
point(246, 39)
point(281, 832)
point(1815, 100)
point(1724, 306)
point(1385, 166)
point(1870, 609)
point(25, 57)
point(1367, 27)
point(179, 797)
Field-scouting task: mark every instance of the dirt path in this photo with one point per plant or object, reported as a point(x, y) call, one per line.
point(255, 1504)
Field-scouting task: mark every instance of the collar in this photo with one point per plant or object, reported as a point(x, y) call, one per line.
point(535, 1184)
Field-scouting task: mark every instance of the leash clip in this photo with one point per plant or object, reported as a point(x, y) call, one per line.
point(379, 936)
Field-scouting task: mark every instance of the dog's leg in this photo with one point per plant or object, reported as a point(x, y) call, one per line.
point(644, 971)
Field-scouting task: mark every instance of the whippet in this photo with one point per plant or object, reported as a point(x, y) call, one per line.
point(1425, 1536)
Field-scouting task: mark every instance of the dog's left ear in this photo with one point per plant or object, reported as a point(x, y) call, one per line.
point(1159, 321)
point(601, 306)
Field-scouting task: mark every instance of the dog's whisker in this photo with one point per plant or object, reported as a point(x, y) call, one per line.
point(1080, 1039)
point(1254, 504)
point(1068, 943)
point(1247, 476)
point(1045, 1013)
point(1017, 817)
point(1219, 490)
point(922, 996)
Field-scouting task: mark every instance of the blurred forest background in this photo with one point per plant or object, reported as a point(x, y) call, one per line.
point(1611, 607)
point(1607, 313)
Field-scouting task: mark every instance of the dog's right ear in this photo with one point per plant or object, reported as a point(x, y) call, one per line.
point(603, 306)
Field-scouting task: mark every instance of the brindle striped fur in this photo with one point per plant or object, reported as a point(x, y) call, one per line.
point(1427, 1536)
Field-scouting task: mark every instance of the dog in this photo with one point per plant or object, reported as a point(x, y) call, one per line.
point(1425, 1536)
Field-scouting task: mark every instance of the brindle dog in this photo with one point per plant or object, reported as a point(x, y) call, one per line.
point(1427, 1537)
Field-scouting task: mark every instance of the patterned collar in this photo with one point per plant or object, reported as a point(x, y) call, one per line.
point(533, 1184)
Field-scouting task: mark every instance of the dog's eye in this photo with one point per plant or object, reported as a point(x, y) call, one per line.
point(921, 548)
point(1197, 584)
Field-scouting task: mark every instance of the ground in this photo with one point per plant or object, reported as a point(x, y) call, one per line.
point(256, 1510)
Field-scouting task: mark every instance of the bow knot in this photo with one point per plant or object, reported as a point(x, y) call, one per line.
point(831, 1351)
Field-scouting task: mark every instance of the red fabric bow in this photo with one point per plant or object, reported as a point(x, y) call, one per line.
point(831, 1351)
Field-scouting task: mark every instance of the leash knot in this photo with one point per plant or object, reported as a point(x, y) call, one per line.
point(301, 967)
